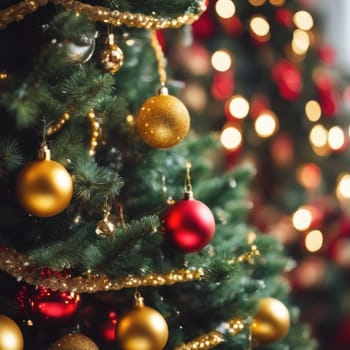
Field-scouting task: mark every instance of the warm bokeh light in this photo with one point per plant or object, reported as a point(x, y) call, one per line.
point(231, 137)
point(259, 26)
point(266, 124)
point(194, 96)
point(225, 8)
point(336, 138)
point(313, 110)
point(238, 107)
point(343, 187)
point(303, 20)
point(302, 219)
point(314, 241)
point(309, 176)
point(277, 2)
point(221, 60)
point(300, 42)
point(318, 136)
point(257, 2)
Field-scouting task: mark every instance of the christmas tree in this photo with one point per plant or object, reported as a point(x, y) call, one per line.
point(122, 227)
point(271, 84)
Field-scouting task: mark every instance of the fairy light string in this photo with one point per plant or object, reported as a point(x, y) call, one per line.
point(17, 12)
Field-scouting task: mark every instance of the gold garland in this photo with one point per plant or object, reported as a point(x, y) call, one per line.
point(18, 266)
point(116, 18)
point(215, 337)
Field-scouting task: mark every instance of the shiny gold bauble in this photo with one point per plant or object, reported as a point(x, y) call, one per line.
point(163, 121)
point(44, 188)
point(112, 58)
point(11, 337)
point(271, 322)
point(74, 341)
point(143, 328)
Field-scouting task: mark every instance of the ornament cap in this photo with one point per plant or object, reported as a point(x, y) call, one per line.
point(44, 152)
point(188, 194)
point(163, 90)
point(139, 301)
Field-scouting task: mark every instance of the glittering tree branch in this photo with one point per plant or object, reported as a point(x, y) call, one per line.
point(18, 266)
point(102, 14)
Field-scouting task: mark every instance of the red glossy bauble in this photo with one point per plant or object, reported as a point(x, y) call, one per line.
point(43, 304)
point(189, 225)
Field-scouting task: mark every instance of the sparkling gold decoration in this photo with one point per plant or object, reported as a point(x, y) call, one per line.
point(16, 13)
point(3, 75)
point(129, 19)
point(271, 322)
point(158, 52)
point(11, 337)
point(95, 132)
point(52, 129)
point(116, 18)
point(215, 337)
point(204, 342)
point(112, 56)
point(163, 121)
point(44, 187)
point(105, 227)
point(74, 341)
point(142, 328)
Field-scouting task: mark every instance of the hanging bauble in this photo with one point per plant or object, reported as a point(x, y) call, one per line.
point(74, 341)
point(112, 57)
point(44, 187)
point(11, 337)
point(189, 224)
point(142, 328)
point(271, 322)
point(46, 305)
point(163, 120)
point(81, 50)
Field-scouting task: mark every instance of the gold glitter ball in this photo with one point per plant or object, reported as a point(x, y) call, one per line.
point(74, 341)
point(163, 121)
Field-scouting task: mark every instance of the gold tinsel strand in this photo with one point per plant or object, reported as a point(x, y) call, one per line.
point(102, 14)
point(95, 132)
point(16, 13)
point(159, 57)
point(52, 129)
point(213, 338)
point(18, 266)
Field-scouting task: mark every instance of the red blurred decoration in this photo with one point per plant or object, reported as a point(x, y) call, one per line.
point(327, 54)
point(232, 26)
point(284, 17)
point(107, 328)
point(222, 86)
point(342, 336)
point(188, 225)
point(259, 103)
point(161, 39)
point(43, 304)
point(282, 149)
point(232, 157)
point(327, 94)
point(204, 28)
point(195, 58)
point(288, 79)
point(308, 274)
point(310, 176)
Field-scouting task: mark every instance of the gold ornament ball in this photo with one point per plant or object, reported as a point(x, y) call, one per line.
point(271, 322)
point(143, 328)
point(11, 337)
point(112, 58)
point(44, 188)
point(163, 121)
point(74, 341)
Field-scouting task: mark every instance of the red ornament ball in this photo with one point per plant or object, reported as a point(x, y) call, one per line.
point(43, 304)
point(189, 225)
